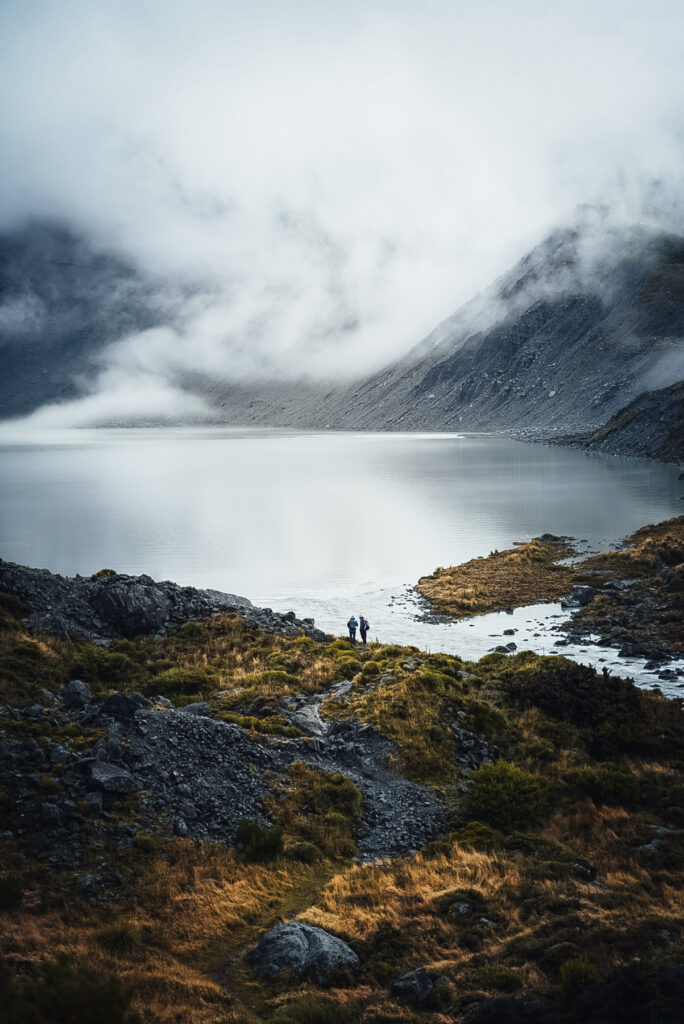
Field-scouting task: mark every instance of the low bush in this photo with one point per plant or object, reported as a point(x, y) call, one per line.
point(608, 784)
point(479, 836)
point(576, 974)
point(180, 681)
point(313, 1009)
point(499, 979)
point(506, 797)
point(258, 843)
point(100, 666)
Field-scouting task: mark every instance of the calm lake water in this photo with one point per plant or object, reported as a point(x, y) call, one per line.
point(324, 523)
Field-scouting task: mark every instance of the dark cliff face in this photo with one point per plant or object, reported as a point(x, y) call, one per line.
point(62, 301)
point(651, 425)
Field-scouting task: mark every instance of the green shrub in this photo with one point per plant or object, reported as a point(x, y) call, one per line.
point(120, 939)
point(276, 679)
point(443, 846)
point(180, 681)
point(11, 890)
point(608, 784)
point(103, 574)
point(480, 836)
point(145, 842)
point(612, 713)
point(576, 974)
point(56, 992)
point(304, 852)
point(256, 843)
point(371, 668)
point(507, 797)
point(100, 665)
point(276, 725)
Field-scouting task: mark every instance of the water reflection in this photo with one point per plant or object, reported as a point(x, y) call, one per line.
point(281, 516)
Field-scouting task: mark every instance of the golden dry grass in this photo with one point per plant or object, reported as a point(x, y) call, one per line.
point(522, 575)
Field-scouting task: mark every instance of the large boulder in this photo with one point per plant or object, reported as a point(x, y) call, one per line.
point(77, 694)
point(120, 706)
point(200, 707)
point(132, 606)
point(112, 778)
point(309, 720)
point(414, 987)
point(310, 952)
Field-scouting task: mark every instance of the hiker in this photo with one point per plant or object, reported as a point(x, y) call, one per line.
point(364, 626)
point(351, 626)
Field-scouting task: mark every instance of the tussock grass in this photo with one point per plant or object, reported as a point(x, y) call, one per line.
point(525, 574)
point(530, 573)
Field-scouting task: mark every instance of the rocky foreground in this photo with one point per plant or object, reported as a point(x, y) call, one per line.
point(112, 606)
point(213, 813)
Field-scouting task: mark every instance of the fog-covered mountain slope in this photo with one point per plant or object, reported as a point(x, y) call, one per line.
point(588, 320)
point(576, 330)
point(62, 301)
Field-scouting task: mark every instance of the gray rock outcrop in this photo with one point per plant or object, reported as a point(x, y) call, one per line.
point(77, 694)
point(310, 952)
point(112, 778)
point(116, 606)
point(414, 987)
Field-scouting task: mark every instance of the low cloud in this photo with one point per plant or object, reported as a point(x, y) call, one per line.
point(330, 181)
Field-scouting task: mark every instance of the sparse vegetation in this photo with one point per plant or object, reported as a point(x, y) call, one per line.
point(55, 992)
point(652, 558)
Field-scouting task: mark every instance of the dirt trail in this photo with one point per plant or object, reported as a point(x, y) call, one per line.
point(233, 971)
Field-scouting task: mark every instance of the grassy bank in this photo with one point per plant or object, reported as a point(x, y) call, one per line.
point(650, 610)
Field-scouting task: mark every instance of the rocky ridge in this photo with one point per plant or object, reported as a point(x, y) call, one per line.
point(109, 605)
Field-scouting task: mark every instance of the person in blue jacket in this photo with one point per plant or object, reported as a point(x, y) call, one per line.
point(352, 626)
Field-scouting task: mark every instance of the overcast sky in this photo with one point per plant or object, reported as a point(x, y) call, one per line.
point(342, 174)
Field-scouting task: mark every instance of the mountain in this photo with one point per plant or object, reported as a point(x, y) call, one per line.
point(575, 331)
point(62, 300)
point(588, 320)
point(652, 425)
